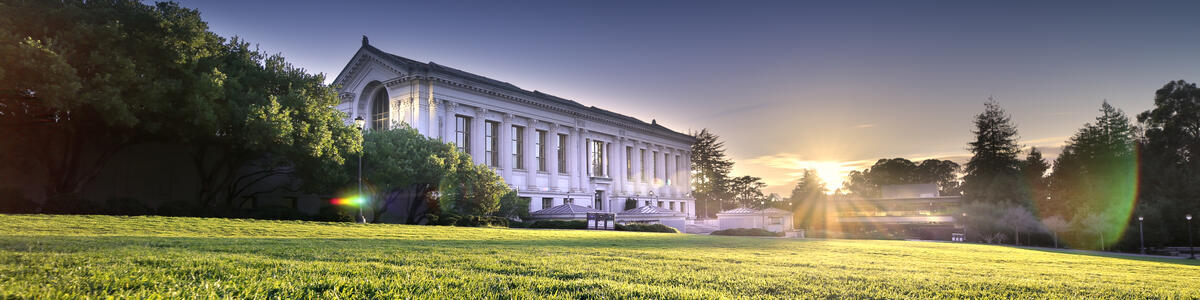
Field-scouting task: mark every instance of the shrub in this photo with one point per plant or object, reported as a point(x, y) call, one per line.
point(646, 228)
point(559, 224)
point(519, 224)
point(746, 232)
point(481, 221)
point(126, 206)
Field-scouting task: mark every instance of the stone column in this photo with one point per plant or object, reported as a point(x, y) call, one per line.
point(477, 134)
point(531, 163)
point(505, 147)
point(582, 160)
point(421, 108)
point(552, 157)
point(449, 120)
point(572, 160)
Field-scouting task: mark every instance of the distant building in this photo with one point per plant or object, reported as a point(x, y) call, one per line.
point(909, 210)
point(770, 219)
point(552, 151)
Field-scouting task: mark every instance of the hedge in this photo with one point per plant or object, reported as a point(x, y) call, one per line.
point(559, 224)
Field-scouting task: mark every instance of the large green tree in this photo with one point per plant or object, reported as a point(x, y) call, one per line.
point(867, 183)
point(81, 81)
point(403, 168)
point(1095, 177)
point(104, 75)
point(1169, 183)
point(992, 174)
point(471, 189)
point(710, 172)
point(747, 191)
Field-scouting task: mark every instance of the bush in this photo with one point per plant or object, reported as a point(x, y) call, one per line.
point(747, 232)
point(481, 221)
point(519, 224)
point(559, 224)
point(646, 228)
point(13, 201)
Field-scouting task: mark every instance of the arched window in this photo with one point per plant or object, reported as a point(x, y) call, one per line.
point(379, 110)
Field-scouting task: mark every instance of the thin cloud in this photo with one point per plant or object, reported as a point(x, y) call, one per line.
point(867, 125)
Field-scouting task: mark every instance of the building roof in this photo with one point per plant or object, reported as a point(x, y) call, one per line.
point(746, 211)
point(650, 211)
point(565, 209)
point(921, 190)
point(508, 87)
point(740, 211)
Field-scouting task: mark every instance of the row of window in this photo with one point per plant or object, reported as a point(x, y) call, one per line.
point(596, 150)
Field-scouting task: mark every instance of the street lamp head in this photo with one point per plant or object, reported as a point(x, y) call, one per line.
point(1189, 217)
point(359, 122)
point(651, 193)
point(964, 214)
point(1140, 218)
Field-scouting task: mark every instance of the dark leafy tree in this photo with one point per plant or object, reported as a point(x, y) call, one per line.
point(747, 191)
point(1170, 173)
point(992, 174)
point(867, 183)
point(403, 169)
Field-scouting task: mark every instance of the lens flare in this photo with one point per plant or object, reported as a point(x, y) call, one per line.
point(349, 201)
point(1096, 196)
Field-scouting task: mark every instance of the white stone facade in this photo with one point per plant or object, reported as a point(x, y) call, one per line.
point(606, 159)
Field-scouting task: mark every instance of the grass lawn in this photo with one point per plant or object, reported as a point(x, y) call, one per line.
point(71, 256)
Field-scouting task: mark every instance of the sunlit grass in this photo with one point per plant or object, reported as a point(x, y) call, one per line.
point(142, 257)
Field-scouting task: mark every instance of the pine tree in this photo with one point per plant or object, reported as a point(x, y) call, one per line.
point(1096, 175)
point(807, 202)
point(710, 172)
point(992, 174)
point(1033, 173)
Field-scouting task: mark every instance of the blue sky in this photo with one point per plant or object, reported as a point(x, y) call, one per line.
point(788, 85)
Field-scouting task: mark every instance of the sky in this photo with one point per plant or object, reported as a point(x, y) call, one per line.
point(786, 85)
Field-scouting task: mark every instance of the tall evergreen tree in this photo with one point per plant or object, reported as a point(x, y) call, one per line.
point(710, 172)
point(1094, 180)
point(807, 202)
point(992, 174)
point(1033, 174)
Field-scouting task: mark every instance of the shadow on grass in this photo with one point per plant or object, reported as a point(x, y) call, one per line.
point(1137, 257)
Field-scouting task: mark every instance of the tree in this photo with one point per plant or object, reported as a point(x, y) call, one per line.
point(471, 189)
point(992, 174)
point(747, 191)
point(1034, 184)
point(710, 172)
point(407, 167)
point(513, 207)
point(1055, 225)
point(146, 73)
point(808, 200)
point(84, 80)
point(1170, 159)
point(1096, 174)
point(867, 183)
point(1019, 219)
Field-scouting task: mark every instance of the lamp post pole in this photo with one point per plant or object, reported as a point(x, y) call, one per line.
point(1191, 246)
point(964, 220)
point(1141, 235)
point(358, 121)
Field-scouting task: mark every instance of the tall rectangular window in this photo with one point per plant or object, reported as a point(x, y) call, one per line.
point(642, 159)
point(540, 146)
point(462, 133)
point(683, 207)
point(666, 172)
point(562, 153)
point(629, 162)
point(547, 202)
point(654, 157)
point(597, 158)
point(491, 153)
point(517, 149)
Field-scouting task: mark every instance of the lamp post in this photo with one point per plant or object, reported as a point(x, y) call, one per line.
point(1191, 246)
point(655, 198)
point(965, 240)
point(1141, 234)
point(360, 123)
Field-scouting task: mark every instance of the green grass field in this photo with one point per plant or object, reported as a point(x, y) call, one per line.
point(143, 257)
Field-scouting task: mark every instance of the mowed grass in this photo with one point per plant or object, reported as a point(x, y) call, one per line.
point(145, 257)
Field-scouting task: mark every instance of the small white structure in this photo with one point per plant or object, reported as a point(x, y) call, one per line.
point(771, 219)
point(653, 215)
point(563, 212)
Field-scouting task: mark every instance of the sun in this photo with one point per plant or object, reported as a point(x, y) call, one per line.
point(833, 173)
